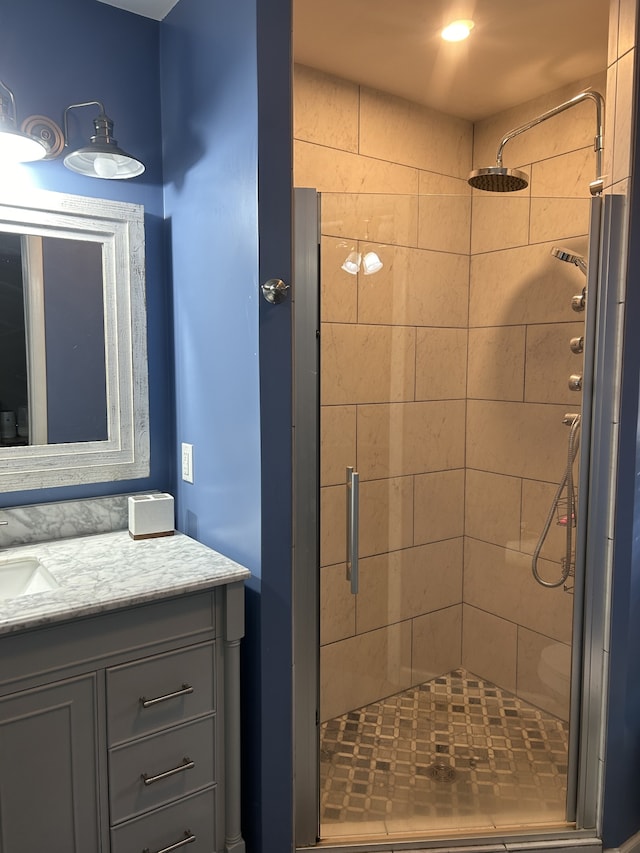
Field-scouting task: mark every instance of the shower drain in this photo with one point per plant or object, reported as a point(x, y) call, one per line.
point(441, 772)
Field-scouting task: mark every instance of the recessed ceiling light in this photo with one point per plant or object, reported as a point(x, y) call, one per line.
point(457, 30)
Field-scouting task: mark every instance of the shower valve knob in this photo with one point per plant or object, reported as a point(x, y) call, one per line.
point(578, 301)
point(577, 345)
point(575, 382)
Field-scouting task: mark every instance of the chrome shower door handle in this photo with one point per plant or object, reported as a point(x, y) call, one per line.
point(353, 531)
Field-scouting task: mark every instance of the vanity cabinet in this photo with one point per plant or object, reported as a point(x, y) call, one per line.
point(119, 732)
point(49, 768)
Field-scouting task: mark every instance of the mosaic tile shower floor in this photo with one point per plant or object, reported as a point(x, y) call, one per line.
point(456, 753)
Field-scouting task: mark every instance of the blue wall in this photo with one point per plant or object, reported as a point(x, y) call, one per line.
point(209, 106)
point(55, 54)
point(226, 113)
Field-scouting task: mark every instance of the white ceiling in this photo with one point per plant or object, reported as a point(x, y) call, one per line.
point(518, 50)
point(156, 9)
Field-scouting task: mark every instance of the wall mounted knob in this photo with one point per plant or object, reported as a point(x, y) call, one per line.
point(578, 301)
point(274, 290)
point(577, 345)
point(575, 382)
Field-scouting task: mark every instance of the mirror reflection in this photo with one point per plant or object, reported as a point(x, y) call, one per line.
point(53, 386)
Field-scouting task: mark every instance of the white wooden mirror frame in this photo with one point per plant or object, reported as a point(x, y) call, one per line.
point(119, 228)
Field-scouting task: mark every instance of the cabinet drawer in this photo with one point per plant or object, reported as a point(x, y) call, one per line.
point(87, 644)
point(160, 829)
point(166, 678)
point(186, 750)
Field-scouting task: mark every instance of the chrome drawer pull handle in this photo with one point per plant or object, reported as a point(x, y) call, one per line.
point(187, 764)
point(147, 703)
point(188, 839)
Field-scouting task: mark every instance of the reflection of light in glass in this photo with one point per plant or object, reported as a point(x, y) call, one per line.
point(457, 31)
point(371, 263)
point(352, 263)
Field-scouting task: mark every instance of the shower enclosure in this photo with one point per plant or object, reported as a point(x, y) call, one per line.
point(447, 393)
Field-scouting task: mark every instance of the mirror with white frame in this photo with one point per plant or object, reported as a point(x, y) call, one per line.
point(73, 370)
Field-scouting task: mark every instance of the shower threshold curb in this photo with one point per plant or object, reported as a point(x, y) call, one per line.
point(582, 841)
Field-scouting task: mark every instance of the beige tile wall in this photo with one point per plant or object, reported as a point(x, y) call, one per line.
point(521, 322)
point(569, 131)
point(394, 375)
point(444, 379)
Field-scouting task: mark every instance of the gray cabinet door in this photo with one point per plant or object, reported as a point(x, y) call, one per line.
point(48, 769)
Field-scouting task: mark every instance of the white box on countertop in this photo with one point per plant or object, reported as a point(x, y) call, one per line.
point(151, 516)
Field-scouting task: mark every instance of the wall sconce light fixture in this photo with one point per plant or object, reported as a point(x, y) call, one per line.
point(102, 157)
point(40, 138)
point(15, 145)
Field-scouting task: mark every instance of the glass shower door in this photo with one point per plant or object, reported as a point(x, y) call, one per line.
point(445, 671)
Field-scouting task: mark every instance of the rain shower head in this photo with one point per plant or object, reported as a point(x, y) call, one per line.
point(497, 179)
point(569, 258)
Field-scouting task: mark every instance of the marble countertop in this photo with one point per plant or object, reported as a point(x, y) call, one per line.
point(110, 570)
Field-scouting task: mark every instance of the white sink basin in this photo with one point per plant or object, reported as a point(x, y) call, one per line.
point(24, 576)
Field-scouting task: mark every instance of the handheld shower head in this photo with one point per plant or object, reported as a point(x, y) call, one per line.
point(497, 179)
point(570, 258)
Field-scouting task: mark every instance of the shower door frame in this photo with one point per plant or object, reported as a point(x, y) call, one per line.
point(306, 512)
point(594, 546)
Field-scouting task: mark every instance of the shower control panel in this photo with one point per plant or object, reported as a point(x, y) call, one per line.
point(578, 303)
point(579, 300)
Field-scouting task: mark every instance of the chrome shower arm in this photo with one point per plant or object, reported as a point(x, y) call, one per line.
point(598, 142)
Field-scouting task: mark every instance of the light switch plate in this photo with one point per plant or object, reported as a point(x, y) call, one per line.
point(187, 462)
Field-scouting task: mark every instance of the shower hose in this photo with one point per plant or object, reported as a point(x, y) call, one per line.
point(571, 517)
